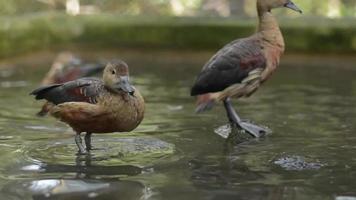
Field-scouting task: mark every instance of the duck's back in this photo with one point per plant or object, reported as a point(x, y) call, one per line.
point(80, 90)
point(230, 65)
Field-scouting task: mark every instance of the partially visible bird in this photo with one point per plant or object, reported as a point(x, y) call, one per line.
point(239, 68)
point(67, 67)
point(93, 105)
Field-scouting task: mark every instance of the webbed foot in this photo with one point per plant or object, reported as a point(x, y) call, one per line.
point(254, 130)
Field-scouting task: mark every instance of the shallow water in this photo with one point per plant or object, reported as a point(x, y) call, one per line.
point(175, 154)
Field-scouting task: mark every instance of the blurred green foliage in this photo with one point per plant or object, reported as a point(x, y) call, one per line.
point(21, 34)
point(330, 8)
point(33, 24)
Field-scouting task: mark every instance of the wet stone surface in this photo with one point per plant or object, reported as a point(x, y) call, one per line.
point(297, 163)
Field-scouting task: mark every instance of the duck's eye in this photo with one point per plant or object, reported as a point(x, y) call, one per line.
point(113, 72)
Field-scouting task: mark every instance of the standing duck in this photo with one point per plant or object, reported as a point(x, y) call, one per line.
point(239, 68)
point(67, 67)
point(92, 105)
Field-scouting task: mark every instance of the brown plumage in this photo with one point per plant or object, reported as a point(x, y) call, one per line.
point(96, 106)
point(239, 68)
point(67, 67)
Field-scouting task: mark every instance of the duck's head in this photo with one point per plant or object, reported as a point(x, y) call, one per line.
point(116, 77)
point(268, 5)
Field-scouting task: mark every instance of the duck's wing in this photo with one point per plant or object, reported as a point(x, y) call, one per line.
point(80, 90)
point(78, 113)
point(229, 66)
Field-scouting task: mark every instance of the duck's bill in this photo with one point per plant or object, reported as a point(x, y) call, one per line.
point(125, 85)
point(292, 6)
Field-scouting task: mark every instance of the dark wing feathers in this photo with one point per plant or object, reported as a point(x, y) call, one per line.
point(229, 66)
point(39, 92)
point(80, 90)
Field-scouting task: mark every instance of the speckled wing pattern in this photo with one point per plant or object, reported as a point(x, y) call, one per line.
point(229, 66)
point(80, 90)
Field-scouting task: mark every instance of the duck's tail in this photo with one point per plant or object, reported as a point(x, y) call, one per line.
point(43, 112)
point(45, 109)
point(206, 102)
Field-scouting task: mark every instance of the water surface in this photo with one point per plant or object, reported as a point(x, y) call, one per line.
point(175, 154)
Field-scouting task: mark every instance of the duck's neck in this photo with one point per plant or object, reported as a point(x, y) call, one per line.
point(269, 30)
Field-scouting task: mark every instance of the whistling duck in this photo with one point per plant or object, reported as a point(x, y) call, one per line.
point(239, 68)
point(67, 67)
point(92, 105)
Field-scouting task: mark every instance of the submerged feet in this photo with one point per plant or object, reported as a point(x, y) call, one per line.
point(252, 129)
point(87, 139)
point(78, 141)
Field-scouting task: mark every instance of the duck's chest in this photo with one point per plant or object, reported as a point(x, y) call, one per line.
point(118, 104)
point(124, 110)
point(272, 55)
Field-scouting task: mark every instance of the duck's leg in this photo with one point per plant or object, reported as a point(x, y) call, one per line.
point(230, 112)
point(87, 139)
point(253, 130)
point(78, 141)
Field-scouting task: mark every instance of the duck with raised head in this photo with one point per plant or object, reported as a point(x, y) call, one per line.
point(67, 67)
point(240, 67)
point(93, 105)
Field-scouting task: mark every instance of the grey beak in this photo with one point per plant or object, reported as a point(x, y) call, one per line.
point(125, 85)
point(292, 6)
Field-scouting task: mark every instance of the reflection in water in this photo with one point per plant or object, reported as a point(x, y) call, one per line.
point(109, 149)
point(5, 73)
point(79, 189)
point(13, 84)
point(224, 130)
point(211, 174)
point(84, 168)
point(54, 187)
point(231, 176)
point(85, 184)
point(346, 197)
